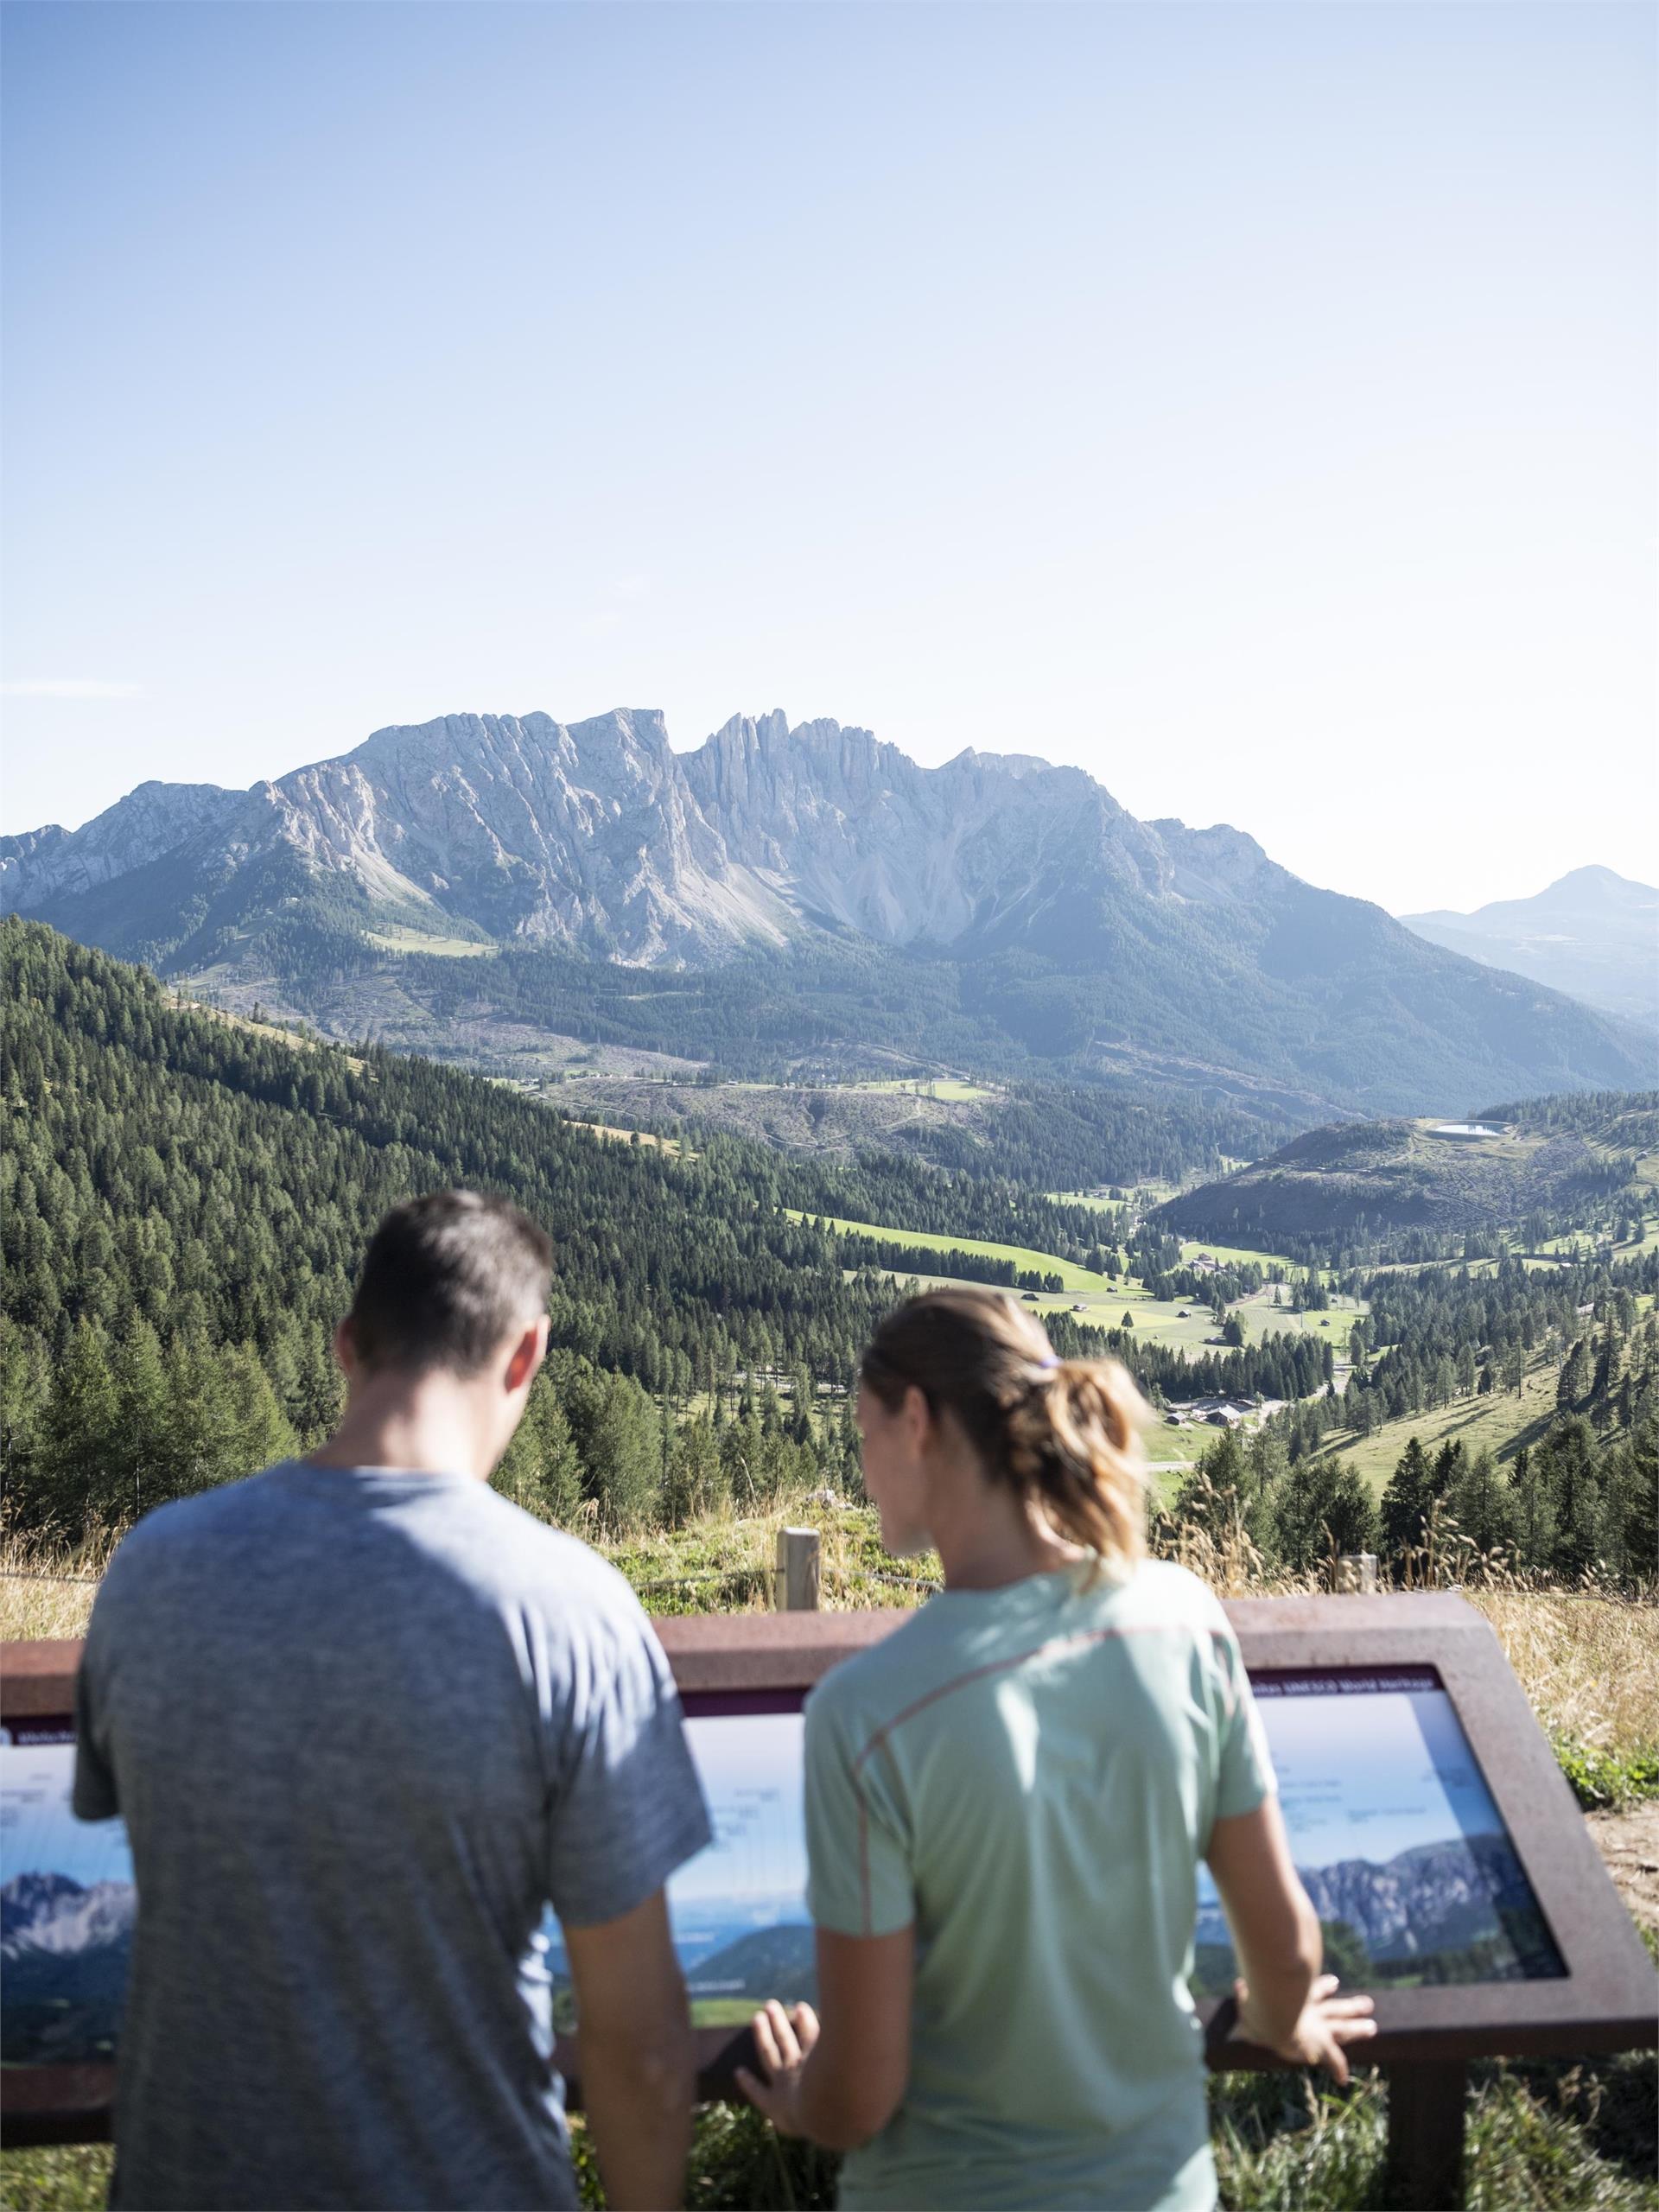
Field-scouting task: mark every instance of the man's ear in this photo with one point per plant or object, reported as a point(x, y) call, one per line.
point(527, 1355)
point(346, 1357)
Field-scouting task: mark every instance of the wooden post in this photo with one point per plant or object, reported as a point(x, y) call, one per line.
point(1354, 1572)
point(795, 1575)
point(1424, 2171)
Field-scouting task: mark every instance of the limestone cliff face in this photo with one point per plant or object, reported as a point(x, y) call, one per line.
point(586, 835)
point(598, 836)
point(1080, 934)
point(853, 832)
point(153, 819)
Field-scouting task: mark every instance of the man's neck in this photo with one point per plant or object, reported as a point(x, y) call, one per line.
point(420, 1425)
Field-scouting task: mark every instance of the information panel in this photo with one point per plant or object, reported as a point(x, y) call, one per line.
point(1395, 1835)
point(66, 1907)
point(738, 1910)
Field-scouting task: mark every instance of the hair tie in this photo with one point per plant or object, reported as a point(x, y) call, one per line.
point(1049, 1362)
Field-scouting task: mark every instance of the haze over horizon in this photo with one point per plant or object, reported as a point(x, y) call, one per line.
point(1250, 407)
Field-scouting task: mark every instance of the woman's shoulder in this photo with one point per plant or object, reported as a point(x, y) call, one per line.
point(863, 1693)
point(1161, 1587)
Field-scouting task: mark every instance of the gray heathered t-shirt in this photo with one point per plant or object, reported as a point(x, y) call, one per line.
point(363, 1726)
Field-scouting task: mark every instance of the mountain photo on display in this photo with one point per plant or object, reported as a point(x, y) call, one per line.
point(1395, 1836)
point(742, 1933)
point(67, 1906)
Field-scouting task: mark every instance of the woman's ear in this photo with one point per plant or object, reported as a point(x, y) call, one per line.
point(918, 1423)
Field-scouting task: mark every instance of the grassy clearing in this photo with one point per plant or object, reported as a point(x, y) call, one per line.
point(1075, 1278)
point(400, 939)
point(1498, 1423)
point(1237, 1256)
point(639, 1137)
point(949, 1088)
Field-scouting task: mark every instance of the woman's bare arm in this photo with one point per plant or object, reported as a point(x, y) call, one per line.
point(1285, 2002)
point(840, 2083)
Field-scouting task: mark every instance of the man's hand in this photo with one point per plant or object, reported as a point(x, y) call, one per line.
point(1326, 2025)
point(785, 2040)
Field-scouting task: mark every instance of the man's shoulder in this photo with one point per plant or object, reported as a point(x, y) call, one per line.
point(533, 1558)
point(205, 1514)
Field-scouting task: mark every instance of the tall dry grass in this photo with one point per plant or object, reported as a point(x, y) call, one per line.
point(1588, 1663)
point(48, 1589)
point(1588, 1659)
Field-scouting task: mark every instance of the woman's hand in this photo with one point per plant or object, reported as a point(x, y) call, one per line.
point(1326, 2024)
point(784, 2041)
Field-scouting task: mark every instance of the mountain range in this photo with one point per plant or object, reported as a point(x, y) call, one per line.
point(64, 1954)
point(780, 896)
point(1592, 934)
point(1460, 1909)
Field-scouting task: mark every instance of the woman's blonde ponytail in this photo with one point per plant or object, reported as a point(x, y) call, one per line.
point(1074, 1445)
point(1065, 1432)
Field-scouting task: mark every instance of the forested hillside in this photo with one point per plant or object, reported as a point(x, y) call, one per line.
point(185, 1201)
point(1045, 1136)
point(1585, 1158)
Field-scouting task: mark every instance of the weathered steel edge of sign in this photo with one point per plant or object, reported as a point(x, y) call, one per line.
point(1607, 2000)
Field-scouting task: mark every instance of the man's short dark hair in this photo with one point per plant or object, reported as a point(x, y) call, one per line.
point(445, 1280)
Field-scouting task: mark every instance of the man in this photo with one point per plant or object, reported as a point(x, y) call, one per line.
point(363, 1720)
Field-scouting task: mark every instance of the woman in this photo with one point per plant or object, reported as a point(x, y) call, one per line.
point(1007, 1801)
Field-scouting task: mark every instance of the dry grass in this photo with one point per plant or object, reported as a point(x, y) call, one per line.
point(1589, 1662)
point(48, 1590)
point(1589, 1665)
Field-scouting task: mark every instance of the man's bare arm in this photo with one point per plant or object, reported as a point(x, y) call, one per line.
point(637, 2069)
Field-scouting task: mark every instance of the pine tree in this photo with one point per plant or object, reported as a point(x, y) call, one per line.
point(80, 1436)
point(1406, 1501)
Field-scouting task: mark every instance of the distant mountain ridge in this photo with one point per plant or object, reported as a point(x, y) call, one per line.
point(598, 838)
point(1591, 933)
point(1429, 1902)
point(1068, 931)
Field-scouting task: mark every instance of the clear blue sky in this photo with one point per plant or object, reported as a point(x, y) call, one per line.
point(1251, 404)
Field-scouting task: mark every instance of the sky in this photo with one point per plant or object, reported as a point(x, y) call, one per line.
point(1252, 405)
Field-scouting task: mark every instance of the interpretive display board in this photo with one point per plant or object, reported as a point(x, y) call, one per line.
point(66, 1906)
point(1448, 1862)
point(738, 1910)
point(1396, 1834)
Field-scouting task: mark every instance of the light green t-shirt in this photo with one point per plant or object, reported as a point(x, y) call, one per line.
point(1030, 1775)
